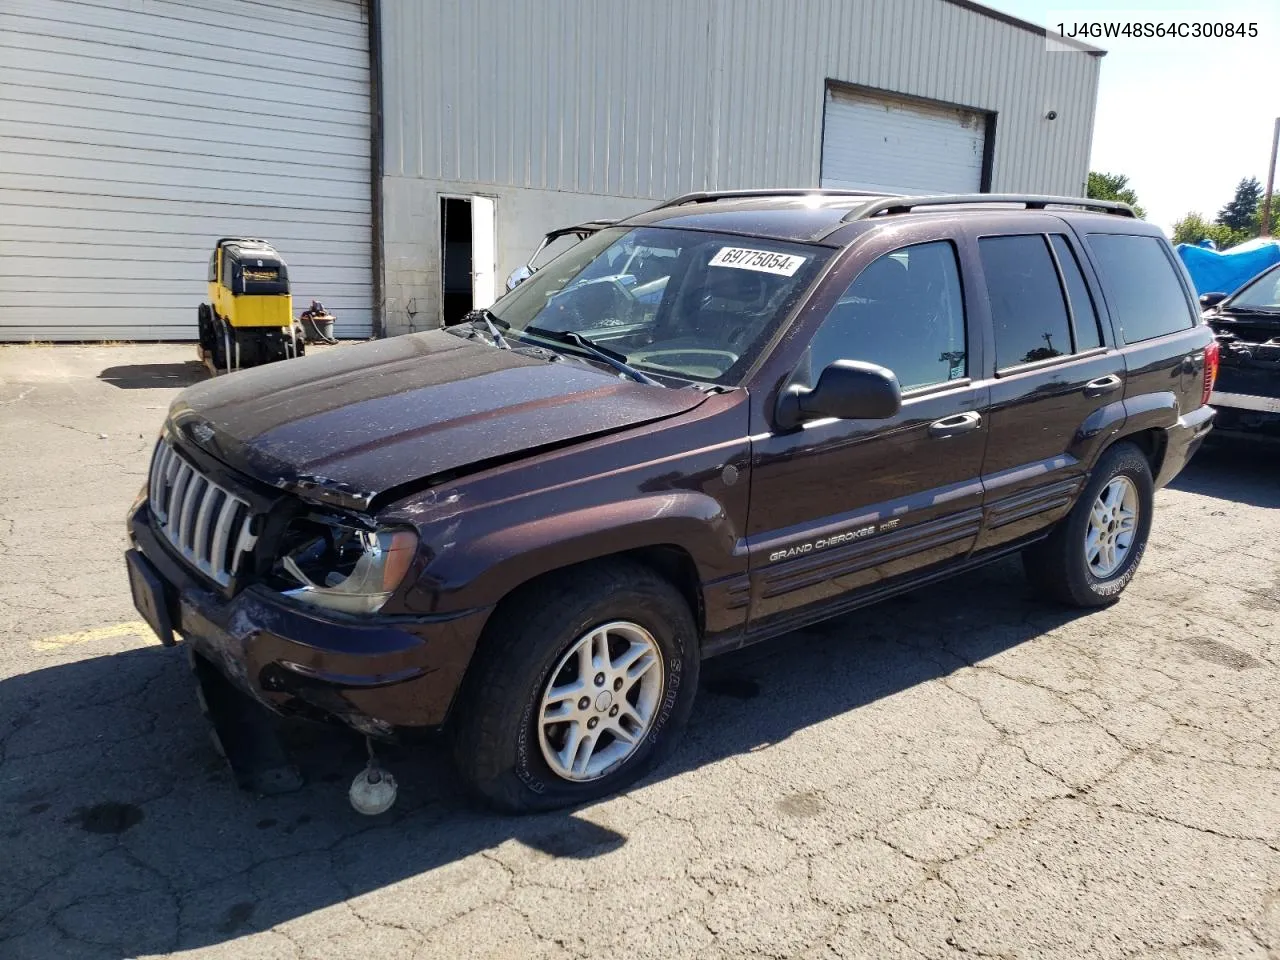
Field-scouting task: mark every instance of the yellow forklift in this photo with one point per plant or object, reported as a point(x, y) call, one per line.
point(249, 320)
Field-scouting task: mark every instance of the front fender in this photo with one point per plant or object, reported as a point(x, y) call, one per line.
point(481, 571)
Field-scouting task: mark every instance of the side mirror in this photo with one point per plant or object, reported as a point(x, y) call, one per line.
point(847, 390)
point(518, 276)
point(1208, 300)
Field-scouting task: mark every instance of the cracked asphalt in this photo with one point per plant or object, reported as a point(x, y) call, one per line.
point(959, 772)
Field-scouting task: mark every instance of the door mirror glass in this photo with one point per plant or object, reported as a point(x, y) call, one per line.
point(847, 390)
point(518, 276)
point(1208, 300)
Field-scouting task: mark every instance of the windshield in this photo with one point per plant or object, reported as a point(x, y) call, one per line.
point(1263, 292)
point(675, 303)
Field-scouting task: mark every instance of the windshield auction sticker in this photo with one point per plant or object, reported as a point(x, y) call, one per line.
point(762, 261)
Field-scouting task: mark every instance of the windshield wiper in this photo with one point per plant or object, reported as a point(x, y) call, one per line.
point(1268, 310)
point(603, 354)
point(484, 316)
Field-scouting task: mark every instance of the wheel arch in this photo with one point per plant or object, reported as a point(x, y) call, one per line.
point(1153, 442)
point(669, 561)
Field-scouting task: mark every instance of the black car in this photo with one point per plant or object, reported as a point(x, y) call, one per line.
point(1247, 324)
point(710, 424)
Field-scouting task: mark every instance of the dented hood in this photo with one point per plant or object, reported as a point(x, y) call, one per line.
point(351, 425)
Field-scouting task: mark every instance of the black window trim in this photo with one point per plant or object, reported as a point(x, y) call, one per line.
point(1066, 293)
point(1033, 365)
point(1052, 361)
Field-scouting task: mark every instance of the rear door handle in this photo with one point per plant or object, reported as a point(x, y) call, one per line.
point(952, 426)
point(1102, 386)
point(1189, 364)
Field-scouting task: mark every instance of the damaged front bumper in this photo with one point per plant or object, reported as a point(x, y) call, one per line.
point(374, 673)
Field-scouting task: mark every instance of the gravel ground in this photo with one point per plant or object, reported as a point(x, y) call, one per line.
point(961, 771)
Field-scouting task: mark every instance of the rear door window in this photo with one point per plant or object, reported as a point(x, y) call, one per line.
point(1027, 306)
point(1141, 285)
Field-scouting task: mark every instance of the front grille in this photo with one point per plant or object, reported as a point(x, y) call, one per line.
point(206, 523)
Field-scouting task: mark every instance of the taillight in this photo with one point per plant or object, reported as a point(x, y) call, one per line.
point(1211, 355)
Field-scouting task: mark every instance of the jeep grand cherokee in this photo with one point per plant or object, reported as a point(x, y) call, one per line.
point(715, 422)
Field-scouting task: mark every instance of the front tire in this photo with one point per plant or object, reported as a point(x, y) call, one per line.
point(1094, 552)
point(581, 686)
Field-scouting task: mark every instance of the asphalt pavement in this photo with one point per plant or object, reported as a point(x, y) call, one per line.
point(962, 771)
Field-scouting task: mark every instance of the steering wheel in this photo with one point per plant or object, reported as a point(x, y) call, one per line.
point(589, 303)
point(706, 363)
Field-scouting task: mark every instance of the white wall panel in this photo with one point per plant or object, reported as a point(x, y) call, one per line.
point(134, 133)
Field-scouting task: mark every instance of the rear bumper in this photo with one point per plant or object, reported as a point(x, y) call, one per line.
point(1183, 440)
point(373, 673)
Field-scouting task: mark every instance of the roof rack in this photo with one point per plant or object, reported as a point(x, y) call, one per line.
point(897, 205)
point(709, 196)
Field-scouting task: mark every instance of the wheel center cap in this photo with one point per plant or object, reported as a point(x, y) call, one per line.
point(604, 701)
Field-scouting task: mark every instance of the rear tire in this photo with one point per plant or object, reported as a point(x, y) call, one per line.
point(1068, 566)
point(503, 743)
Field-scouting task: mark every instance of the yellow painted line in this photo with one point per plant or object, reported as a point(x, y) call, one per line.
point(128, 629)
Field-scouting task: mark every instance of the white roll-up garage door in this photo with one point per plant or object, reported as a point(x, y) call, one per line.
point(135, 133)
point(875, 141)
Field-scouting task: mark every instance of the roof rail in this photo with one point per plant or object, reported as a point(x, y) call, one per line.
point(708, 196)
point(899, 205)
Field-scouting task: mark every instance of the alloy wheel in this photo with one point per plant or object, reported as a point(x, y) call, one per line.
point(600, 701)
point(1113, 524)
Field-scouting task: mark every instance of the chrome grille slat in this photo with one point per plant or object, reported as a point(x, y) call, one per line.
point(157, 467)
point(206, 523)
point(222, 531)
point(183, 530)
point(180, 480)
point(200, 537)
point(168, 468)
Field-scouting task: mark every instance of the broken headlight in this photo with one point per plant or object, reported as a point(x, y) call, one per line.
point(343, 568)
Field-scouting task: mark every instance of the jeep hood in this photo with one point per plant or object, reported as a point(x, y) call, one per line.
point(350, 425)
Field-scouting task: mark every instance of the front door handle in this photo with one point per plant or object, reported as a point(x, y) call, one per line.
point(952, 426)
point(1102, 386)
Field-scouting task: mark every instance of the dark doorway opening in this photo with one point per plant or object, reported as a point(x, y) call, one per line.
point(455, 251)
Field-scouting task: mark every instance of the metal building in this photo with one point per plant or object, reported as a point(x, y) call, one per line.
point(406, 155)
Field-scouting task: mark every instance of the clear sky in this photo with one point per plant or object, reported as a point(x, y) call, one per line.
point(1185, 120)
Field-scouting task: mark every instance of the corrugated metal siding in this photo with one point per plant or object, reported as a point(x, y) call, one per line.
point(652, 99)
point(134, 134)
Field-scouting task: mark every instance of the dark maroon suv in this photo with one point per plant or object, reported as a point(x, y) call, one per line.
point(720, 420)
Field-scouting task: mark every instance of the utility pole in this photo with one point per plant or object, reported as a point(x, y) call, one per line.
point(1271, 182)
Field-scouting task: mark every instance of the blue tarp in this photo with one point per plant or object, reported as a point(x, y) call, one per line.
point(1229, 270)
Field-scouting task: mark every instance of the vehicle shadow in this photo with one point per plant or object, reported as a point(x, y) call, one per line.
point(120, 827)
point(147, 376)
point(1234, 470)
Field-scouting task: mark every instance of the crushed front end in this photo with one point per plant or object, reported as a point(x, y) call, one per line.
point(286, 606)
point(1247, 391)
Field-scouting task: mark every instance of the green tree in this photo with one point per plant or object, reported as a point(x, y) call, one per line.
point(1113, 186)
point(1194, 227)
point(1239, 213)
point(1191, 229)
point(1255, 222)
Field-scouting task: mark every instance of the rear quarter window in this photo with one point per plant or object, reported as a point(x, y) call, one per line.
point(1140, 282)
